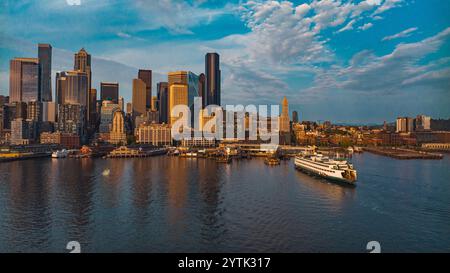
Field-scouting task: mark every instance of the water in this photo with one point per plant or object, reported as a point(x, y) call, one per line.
point(168, 204)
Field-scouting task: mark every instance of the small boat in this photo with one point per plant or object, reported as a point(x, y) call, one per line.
point(60, 154)
point(106, 172)
point(223, 159)
point(272, 161)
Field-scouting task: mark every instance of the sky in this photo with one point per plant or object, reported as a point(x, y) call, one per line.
point(363, 61)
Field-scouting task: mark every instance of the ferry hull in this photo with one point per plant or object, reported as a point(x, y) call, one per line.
point(335, 179)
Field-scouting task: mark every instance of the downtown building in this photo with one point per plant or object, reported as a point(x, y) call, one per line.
point(154, 134)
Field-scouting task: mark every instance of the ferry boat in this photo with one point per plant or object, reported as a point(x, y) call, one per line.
point(336, 170)
point(271, 161)
point(60, 154)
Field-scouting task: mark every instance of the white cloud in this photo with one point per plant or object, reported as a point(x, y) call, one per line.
point(405, 33)
point(366, 26)
point(347, 27)
point(387, 5)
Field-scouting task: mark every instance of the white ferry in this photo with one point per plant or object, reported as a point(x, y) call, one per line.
point(60, 154)
point(317, 164)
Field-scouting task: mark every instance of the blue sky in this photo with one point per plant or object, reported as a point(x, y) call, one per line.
point(345, 61)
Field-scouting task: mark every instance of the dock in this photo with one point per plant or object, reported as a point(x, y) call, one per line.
point(401, 153)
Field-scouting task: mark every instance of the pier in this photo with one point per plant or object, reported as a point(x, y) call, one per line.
point(401, 153)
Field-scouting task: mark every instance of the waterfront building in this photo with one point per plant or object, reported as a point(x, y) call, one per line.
point(24, 85)
point(71, 119)
point(45, 61)
point(139, 97)
point(178, 95)
point(68, 141)
point(163, 98)
point(404, 125)
point(198, 142)
point(213, 78)
point(106, 116)
point(72, 87)
point(202, 88)
point(146, 77)
point(23, 132)
point(109, 91)
point(117, 134)
point(154, 134)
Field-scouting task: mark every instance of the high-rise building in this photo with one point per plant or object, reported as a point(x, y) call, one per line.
point(146, 76)
point(404, 125)
point(117, 134)
point(122, 104)
point(49, 111)
point(34, 111)
point(82, 62)
point(93, 117)
point(284, 118)
point(163, 98)
point(45, 61)
point(139, 98)
point(423, 123)
point(294, 116)
point(212, 70)
point(154, 134)
point(129, 108)
point(21, 131)
point(24, 75)
point(109, 91)
point(71, 119)
point(72, 88)
point(178, 95)
point(189, 79)
point(107, 115)
point(202, 88)
point(154, 104)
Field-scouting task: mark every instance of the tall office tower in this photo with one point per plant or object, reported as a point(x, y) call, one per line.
point(154, 106)
point(202, 88)
point(71, 119)
point(49, 111)
point(295, 116)
point(20, 132)
point(21, 110)
point(423, 123)
point(186, 78)
point(178, 95)
point(34, 111)
point(129, 108)
point(45, 60)
point(139, 97)
point(122, 104)
point(146, 76)
point(24, 80)
point(82, 62)
point(109, 91)
point(284, 125)
point(107, 115)
point(72, 88)
point(163, 98)
point(93, 107)
point(117, 134)
point(404, 125)
point(212, 70)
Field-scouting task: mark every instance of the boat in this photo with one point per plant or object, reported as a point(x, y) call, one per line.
point(223, 159)
point(331, 169)
point(60, 154)
point(271, 161)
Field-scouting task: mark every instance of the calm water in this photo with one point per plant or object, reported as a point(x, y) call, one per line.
point(166, 204)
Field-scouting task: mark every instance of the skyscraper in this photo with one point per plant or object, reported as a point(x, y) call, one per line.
point(178, 95)
point(146, 76)
point(45, 61)
point(212, 70)
point(117, 134)
point(139, 97)
point(24, 75)
point(109, 91)
point(284, 118)
point(202, 88)
point(72, 88)
point(295, 116)
point(82, 62)
point(163, 97)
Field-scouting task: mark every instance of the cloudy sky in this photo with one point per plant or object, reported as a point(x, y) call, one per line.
point(362, 61)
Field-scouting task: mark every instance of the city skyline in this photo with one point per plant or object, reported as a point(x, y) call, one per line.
point(318, 89)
